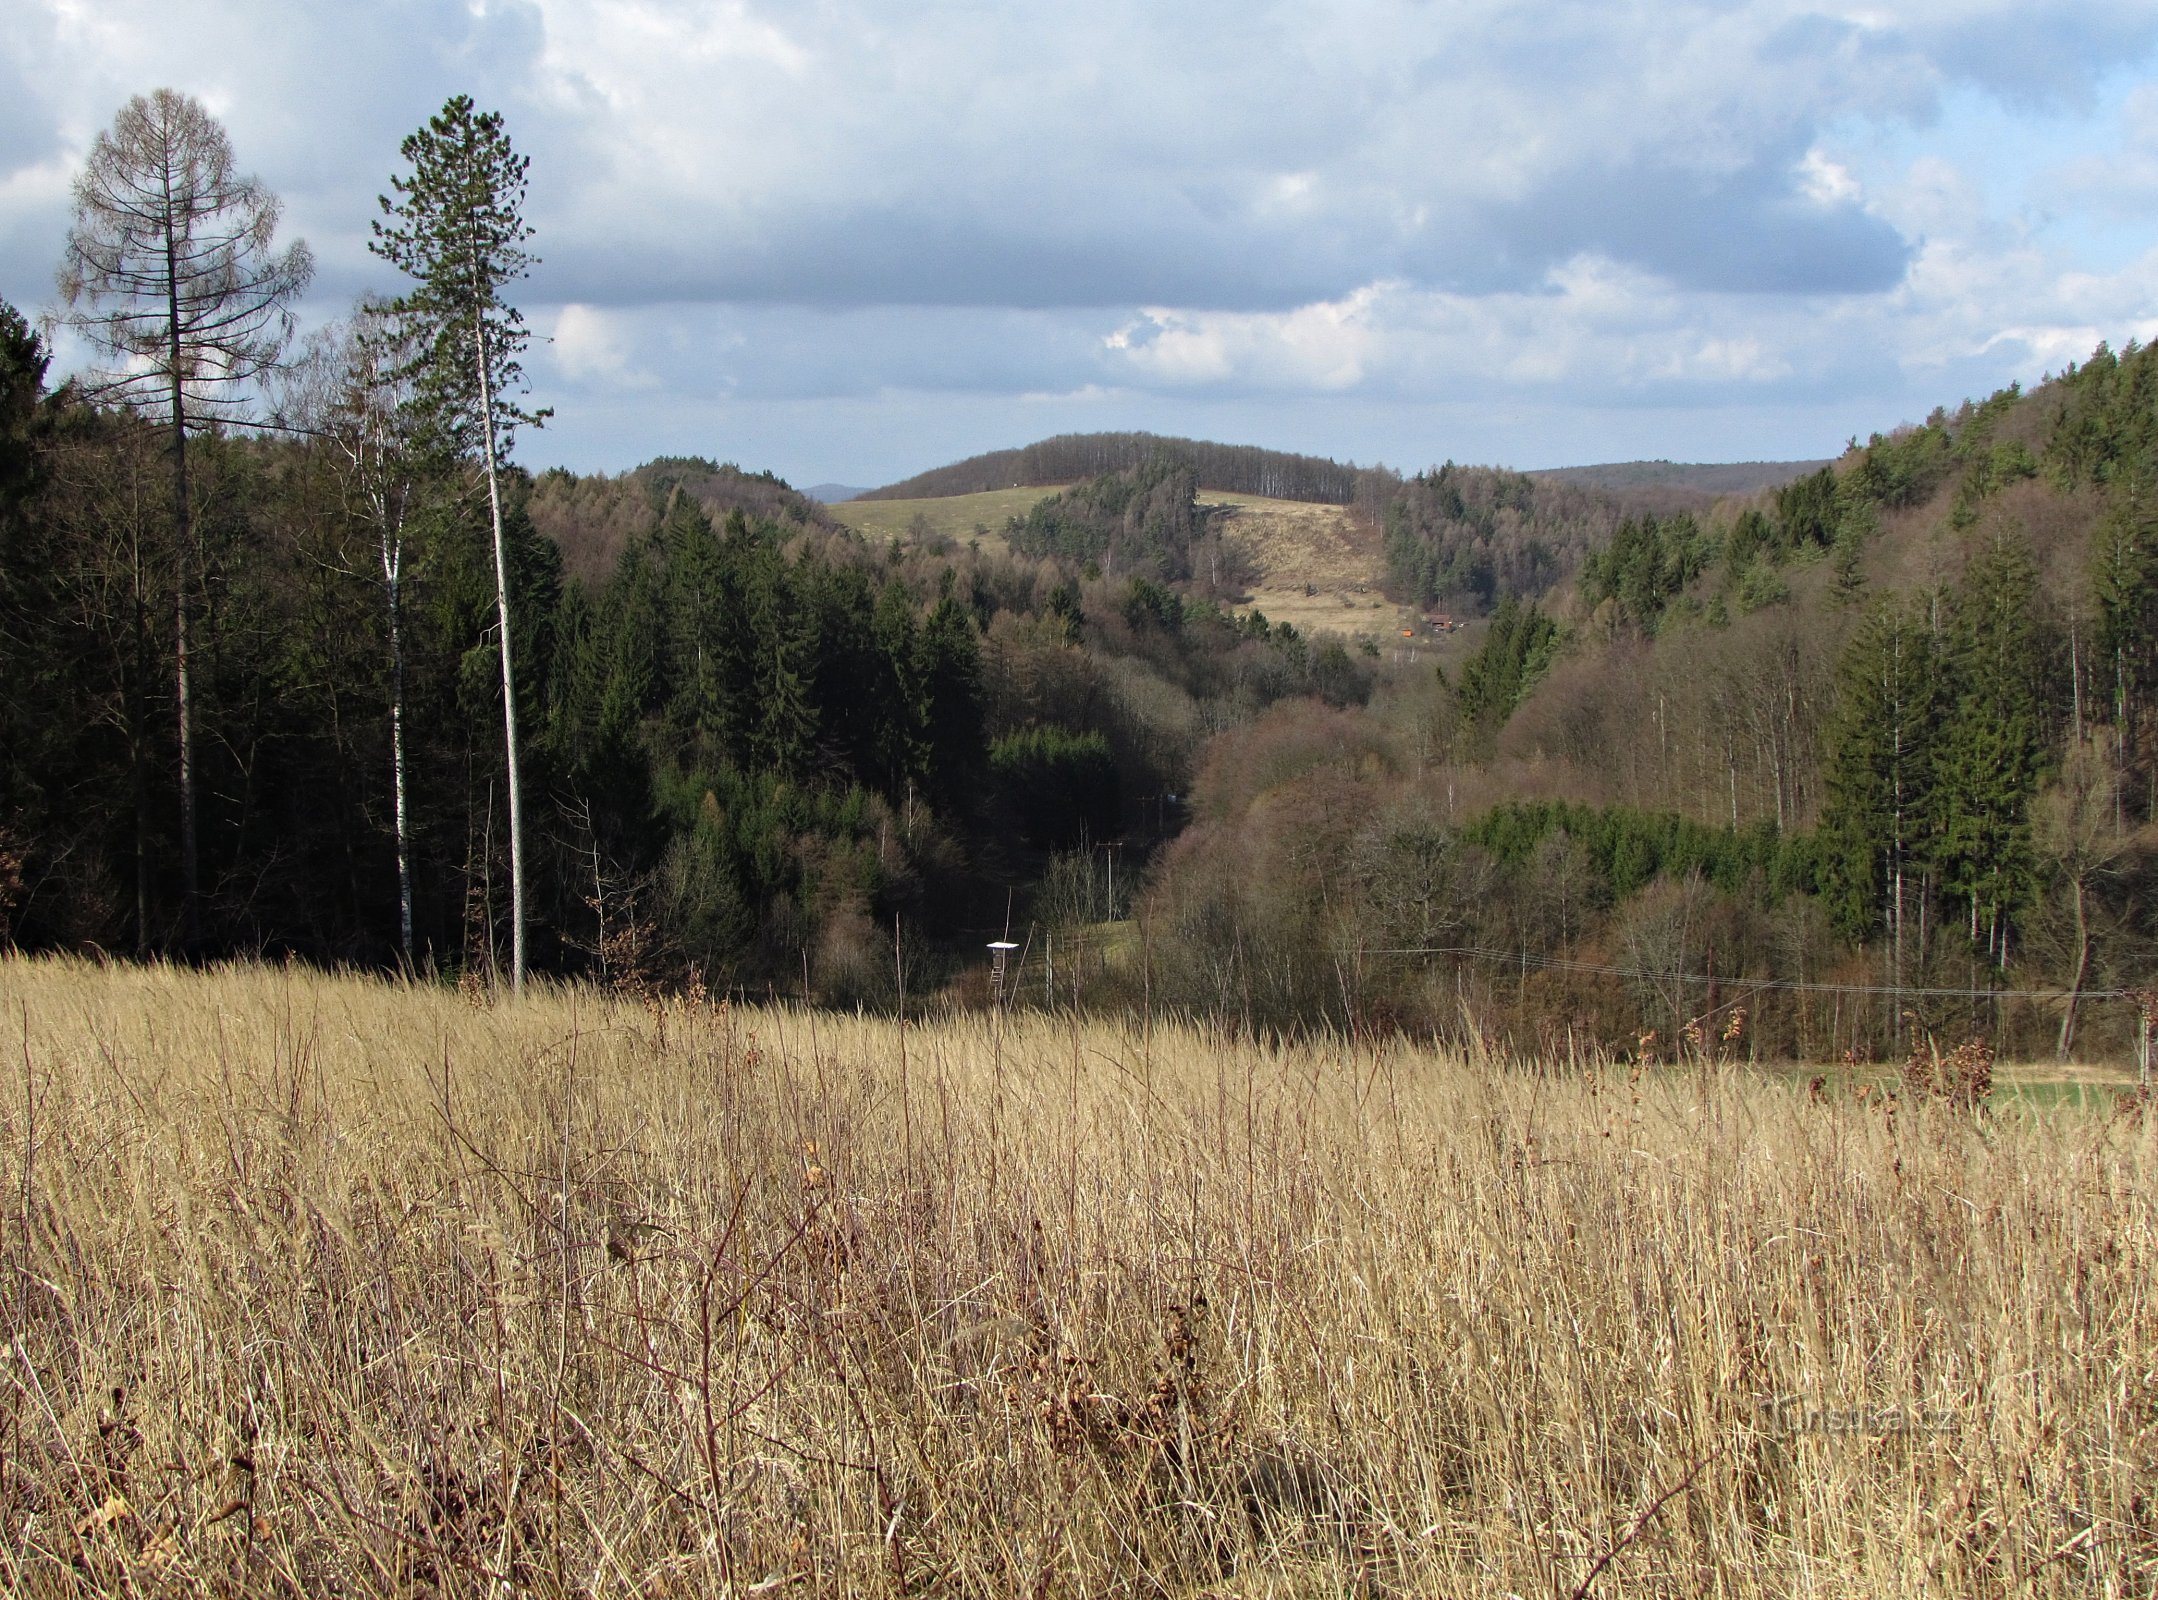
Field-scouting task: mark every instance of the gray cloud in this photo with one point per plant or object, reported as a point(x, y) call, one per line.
point(2041, 56)
point(929, 210)
point(1216, 157)
point(1744, 231)
point(1034, 155)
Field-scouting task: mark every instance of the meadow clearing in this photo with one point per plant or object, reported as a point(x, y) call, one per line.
point(1319, 567)
point(958, 517)
point(325, 1285)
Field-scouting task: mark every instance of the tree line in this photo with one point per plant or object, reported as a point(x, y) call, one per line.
point(1467, 537)
point(295, 658)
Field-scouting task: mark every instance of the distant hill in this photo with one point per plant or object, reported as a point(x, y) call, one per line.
point(833, 494)
point(1282, 475)
point(593, 519)
point(1076, 457)
point(1457, 537)
point(1706, 478)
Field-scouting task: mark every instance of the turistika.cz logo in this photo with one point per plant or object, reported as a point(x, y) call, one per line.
point(1788, 1415)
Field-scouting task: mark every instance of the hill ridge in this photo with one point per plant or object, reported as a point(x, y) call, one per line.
point(1704, 477)
point(1074, 457)
point(1287, 475)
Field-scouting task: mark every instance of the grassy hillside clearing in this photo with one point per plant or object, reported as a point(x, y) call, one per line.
point(1320, 567)
point(317, 1285)
point(1293, 545)
point(959, 517)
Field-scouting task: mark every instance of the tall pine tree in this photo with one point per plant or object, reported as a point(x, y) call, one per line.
point(457, 228)
point(2124, 582)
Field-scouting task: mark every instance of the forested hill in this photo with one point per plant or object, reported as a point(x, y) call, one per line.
point(1814, 770)
point(1828, 770)
point(1708, 480)
point(1073, 457)
point(1461, 537)
point(758, 750)
point(1469, 538)
point(594, 519)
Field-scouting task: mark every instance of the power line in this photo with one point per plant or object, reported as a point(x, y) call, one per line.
point(1524, 958)
point(1084, 937)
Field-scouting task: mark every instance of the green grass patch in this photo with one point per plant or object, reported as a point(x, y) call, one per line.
point(956, 517)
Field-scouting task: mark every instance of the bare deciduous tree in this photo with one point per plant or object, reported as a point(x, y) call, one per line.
point(2077, 839)
point(353, 390)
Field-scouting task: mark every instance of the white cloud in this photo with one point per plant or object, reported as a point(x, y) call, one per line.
point(592, 346)
point(1826, 182)
point(1326, 346)
point(2125, 178)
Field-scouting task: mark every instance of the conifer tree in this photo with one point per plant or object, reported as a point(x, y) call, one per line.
point(1516, 652)
point(23, 362)
point(899, 750)
point(2124, 581)
point(787, 722)
point(1988, 755)
point(949, 677)
point(456, 226)
point(1877, 824)
point(696, 600)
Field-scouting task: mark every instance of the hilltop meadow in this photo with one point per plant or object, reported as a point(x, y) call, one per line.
point(329, 1285)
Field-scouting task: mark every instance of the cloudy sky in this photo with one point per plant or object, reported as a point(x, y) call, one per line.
point(849, 239)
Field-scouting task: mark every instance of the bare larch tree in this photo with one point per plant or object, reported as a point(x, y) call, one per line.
point(170, 273)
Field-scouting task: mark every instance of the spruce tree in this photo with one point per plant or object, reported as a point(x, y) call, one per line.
point(785, 658)
point(697, 590)
point(900, 751)
point(949, 676)
point(1988, 756)
point(1877, 824)
point(2124, 583)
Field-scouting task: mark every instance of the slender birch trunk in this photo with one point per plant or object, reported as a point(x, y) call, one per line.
point(509, 675)
point(393, 562)
point(2069, 1012)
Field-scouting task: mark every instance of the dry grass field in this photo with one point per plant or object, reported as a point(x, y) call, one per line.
point(1298, 546)
point(325, 1286)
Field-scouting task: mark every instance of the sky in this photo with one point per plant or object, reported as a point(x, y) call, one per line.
point(847, 240)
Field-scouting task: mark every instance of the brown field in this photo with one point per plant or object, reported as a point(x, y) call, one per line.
point(319, 1285)
point(1296, 545)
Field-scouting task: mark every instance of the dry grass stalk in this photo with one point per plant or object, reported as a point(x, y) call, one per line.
point(323, 1286)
